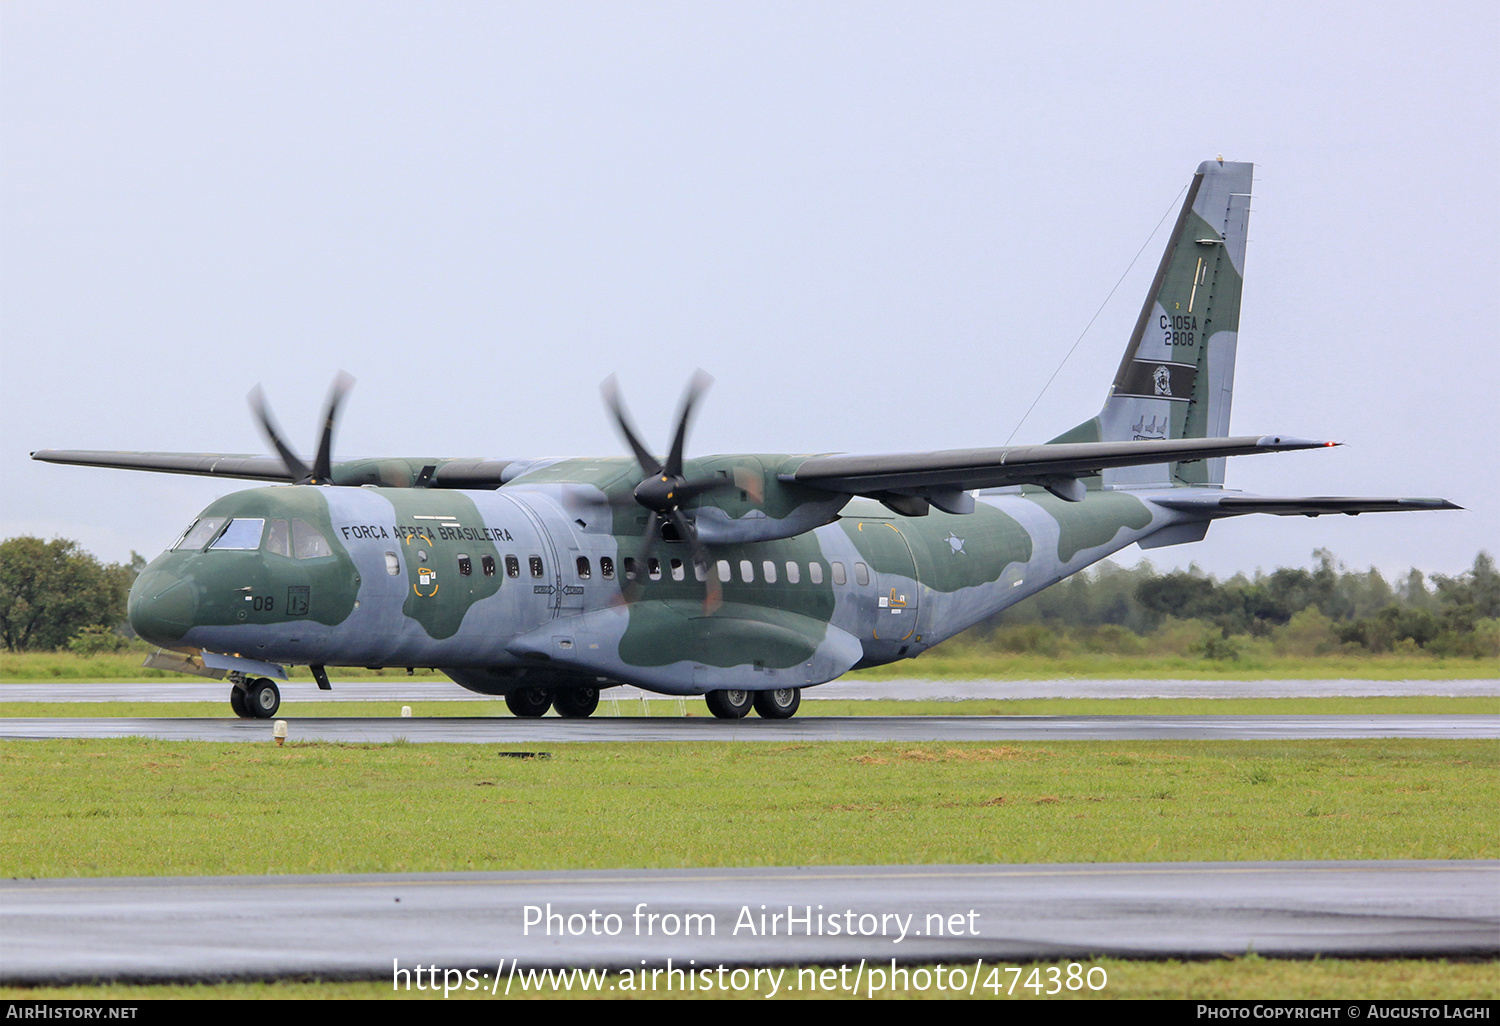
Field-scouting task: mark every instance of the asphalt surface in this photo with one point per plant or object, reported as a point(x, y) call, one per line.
point(509, 730)
point(417, 691)
point(369, 926)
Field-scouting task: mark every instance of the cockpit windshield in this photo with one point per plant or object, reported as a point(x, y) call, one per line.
point(242, 533)
point(297, 538)
point(201, 533)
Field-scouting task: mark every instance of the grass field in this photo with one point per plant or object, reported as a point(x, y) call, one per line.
point(146, 807)
point(946, 661)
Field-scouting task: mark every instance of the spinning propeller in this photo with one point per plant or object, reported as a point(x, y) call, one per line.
point(321, 472)
point(664, 490)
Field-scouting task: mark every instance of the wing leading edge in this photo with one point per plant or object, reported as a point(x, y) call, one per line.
point(943, 478)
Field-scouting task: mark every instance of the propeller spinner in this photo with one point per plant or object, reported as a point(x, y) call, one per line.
point(321, 472)
point(664, 490)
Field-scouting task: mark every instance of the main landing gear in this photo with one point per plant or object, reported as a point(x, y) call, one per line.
point(257, 699)
point(772, 705)
point(571, 703)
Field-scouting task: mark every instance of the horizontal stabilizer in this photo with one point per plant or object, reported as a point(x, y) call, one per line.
point(1305, 506)
point(966, 469)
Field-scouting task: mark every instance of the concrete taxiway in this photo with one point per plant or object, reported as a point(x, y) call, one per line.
point(369, 926)
point(510, 730)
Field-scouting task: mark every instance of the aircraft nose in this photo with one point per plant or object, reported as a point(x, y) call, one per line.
point(161, 607)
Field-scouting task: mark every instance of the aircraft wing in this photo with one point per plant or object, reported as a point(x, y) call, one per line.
point(402, 472)
point(203, 464)
point(1216, 506)
point(941, 477)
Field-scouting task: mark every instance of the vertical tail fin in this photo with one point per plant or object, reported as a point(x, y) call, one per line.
point(1176, 379)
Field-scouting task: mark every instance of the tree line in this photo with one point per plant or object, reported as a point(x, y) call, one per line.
point(1325, 607)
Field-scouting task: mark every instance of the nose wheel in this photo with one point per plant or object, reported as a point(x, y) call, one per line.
point(257, 700)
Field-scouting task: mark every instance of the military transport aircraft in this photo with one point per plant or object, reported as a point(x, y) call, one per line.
point(743, 578)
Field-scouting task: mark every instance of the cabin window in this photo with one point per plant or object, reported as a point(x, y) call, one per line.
point(242, 533)
point(465, 565)
point(584, 570)
point(861, 574)
point(487, 564)
point(793, 572)
point(201, 533)
point(279, 538)
point(677, 572)
point(607, 568)
point(724, 572)
point(700, 571)
point(653, 568)
point(307, 543)
point(768, 571)
point(629, 565)
point(747, 571)
point(815, 572)
point(535, 562)
point(839, 577)
point(512, 566)
point(393, 564)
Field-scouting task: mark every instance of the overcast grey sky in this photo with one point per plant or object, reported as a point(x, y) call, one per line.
point(880, 226)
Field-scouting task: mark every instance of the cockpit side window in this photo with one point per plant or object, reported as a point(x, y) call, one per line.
point(201, 533)
point(307, 543)
point(279, 538)
point(242, 533)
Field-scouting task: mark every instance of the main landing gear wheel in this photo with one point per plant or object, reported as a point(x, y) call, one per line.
point(778, 705)
point(532, 702)
point(237, 702)
point(729, 705)
point(262, 698)
point(576, 703)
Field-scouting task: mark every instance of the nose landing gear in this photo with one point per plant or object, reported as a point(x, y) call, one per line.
point(257, 699)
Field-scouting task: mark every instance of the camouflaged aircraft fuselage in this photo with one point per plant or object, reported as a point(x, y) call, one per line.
point(529, 578)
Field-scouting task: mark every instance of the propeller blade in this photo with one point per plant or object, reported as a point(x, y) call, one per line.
point(294, 465)
point(632, 589)
point(322, 469)
point(648, 462)
point(699, 384)
point(714, 591)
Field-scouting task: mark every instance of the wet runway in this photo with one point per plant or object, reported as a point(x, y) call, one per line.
point(509, 730)
point(367, 926)
point(416, 691)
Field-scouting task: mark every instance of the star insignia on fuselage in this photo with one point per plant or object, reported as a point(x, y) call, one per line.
point(957, 544)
